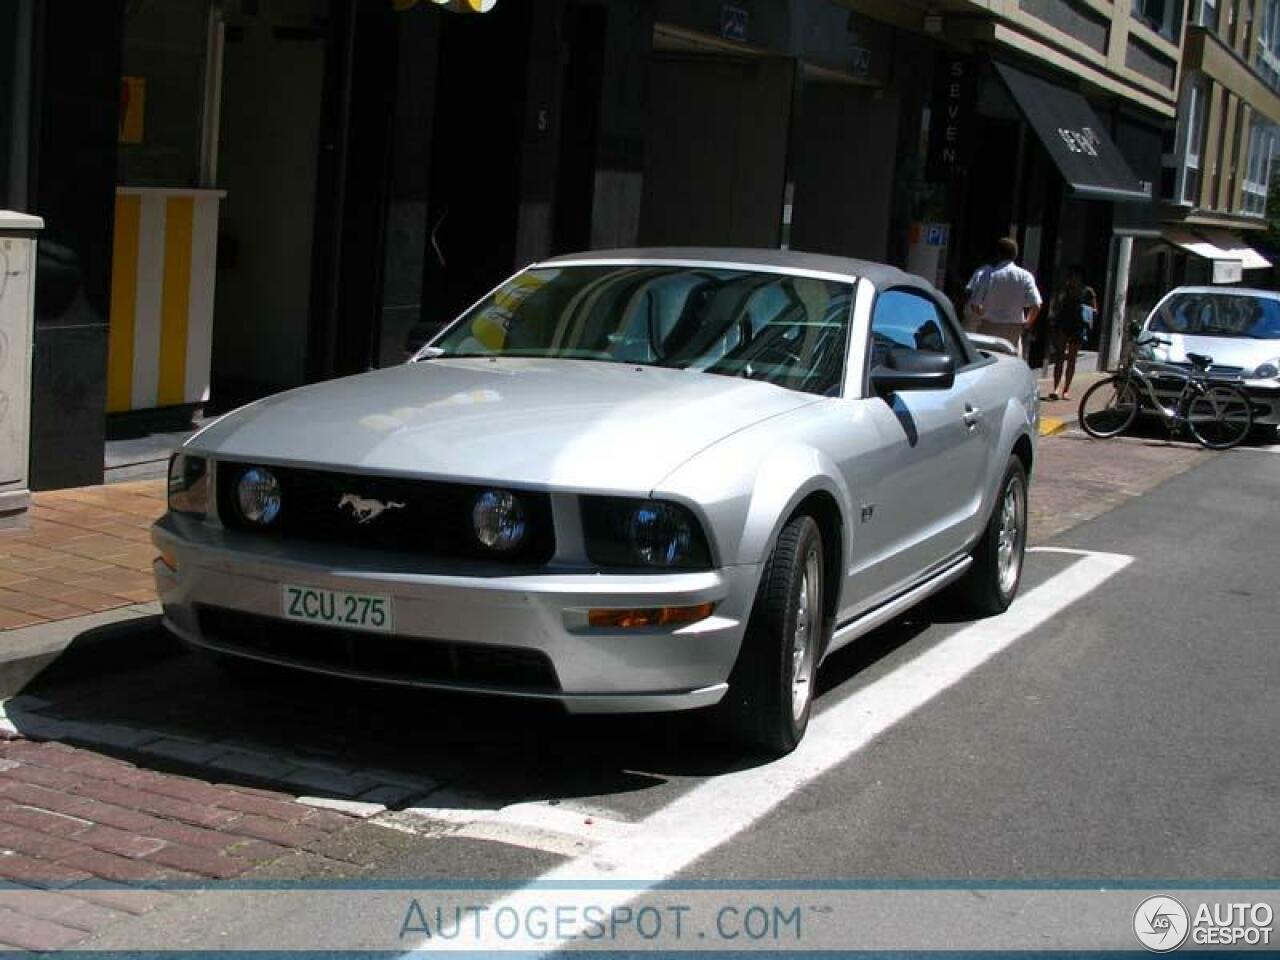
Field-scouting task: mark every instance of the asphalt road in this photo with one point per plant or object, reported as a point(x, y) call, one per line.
point(1119, 725)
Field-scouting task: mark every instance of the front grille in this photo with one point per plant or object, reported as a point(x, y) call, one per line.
point(398, 658)
point(433, 519)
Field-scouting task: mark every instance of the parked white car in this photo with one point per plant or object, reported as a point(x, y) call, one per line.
point(1239, 328)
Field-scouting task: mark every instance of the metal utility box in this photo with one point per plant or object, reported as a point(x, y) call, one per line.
point(17, 310)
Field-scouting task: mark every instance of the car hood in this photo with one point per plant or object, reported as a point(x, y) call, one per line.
point(1226, 351)
point(568, 424)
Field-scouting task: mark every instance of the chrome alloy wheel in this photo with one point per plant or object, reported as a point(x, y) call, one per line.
point(804, 640)
point(1013, 517)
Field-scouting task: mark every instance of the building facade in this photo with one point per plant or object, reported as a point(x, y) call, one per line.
point(1218, 168)
point(249, 195)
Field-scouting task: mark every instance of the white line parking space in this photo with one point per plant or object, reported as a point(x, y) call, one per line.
point(666, 842)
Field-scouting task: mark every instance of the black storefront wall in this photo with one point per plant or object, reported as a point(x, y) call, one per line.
point(72, 177)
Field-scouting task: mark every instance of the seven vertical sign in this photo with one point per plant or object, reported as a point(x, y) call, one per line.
point(955, 86)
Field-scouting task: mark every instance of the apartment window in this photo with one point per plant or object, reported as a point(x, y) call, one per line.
point(1204, 13)
point(1267, 58)
point(1162, 16)
point(1193, 142)
point(1257, 180)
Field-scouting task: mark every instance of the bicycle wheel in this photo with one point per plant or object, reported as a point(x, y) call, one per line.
point(1220, 417)
point(1109, 407)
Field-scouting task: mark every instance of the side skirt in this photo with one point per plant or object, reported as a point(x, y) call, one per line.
point(848, 632)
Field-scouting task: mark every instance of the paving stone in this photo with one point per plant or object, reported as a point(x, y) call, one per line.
point(275, 831)
point(31, 872)
point(32, 933)
point(251, 764)
point(202, 862)
point(109, 734)
point(109, 866)
point(120, 842)
point(392, 795)
point(64, 907)
point(187, 751)
point(131, 900)
point(352, 808)
point(131, 798)
point(284, 809)
point(328, 781)
point(33, 843)
point(45, 821)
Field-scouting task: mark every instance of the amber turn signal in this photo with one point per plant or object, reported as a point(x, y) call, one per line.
point(649, 617)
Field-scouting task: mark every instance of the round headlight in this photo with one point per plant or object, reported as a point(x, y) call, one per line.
point(258, 496)
point(1268, 371)
point(660, 534)
point(499, 520)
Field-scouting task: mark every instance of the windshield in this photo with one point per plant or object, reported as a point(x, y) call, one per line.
point(1219, 315)
point(787, 330)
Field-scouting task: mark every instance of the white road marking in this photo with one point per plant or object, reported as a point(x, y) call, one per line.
point(669, 840)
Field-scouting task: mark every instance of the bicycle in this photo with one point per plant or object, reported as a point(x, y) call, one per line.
point(1217, 414)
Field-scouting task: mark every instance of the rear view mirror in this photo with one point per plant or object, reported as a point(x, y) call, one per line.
point(904, 370)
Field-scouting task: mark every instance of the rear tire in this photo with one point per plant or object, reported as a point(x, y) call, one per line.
point(992, 580)
point(1109, 407)
point(771, 689)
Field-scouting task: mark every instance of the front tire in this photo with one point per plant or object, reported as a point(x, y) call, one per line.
point(993, 579)
point(771, 689)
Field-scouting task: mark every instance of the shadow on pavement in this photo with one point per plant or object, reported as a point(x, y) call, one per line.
point(134, 692)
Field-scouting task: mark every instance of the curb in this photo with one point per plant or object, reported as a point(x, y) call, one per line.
point(25, 653)
point(1049, 426)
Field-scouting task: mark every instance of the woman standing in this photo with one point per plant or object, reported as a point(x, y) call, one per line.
point(1068, 321)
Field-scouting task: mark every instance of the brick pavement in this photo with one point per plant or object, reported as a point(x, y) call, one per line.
point(74, 821)
point(84, 551)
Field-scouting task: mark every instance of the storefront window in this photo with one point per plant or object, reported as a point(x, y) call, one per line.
point(162, 93)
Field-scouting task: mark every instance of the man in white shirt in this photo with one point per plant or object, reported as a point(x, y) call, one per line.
point(1008, 303)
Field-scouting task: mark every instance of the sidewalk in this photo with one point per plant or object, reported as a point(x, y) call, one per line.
point(85, 551)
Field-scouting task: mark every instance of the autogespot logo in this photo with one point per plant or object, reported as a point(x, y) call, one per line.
point(1161, 924)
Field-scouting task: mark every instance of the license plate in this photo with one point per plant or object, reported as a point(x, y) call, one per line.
point(336, 608)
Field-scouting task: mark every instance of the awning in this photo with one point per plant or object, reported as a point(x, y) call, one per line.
point(1237, 249)
point(1230, 255)
point(1077, 141)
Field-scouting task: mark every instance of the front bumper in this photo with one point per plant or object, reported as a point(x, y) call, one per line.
point(594, 670)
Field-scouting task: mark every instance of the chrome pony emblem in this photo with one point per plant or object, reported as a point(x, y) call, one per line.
point(365, 510)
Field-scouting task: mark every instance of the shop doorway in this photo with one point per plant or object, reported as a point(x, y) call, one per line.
point(273, 80)
point(474, 195)
point(715, 162)
point(583, 78)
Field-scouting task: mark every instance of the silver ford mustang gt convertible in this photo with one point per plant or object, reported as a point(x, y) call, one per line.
point(638, 480)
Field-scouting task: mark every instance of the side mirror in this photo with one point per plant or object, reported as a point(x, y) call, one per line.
point(904, 370)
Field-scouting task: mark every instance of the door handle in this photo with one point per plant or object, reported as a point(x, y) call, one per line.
point(972, 416)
